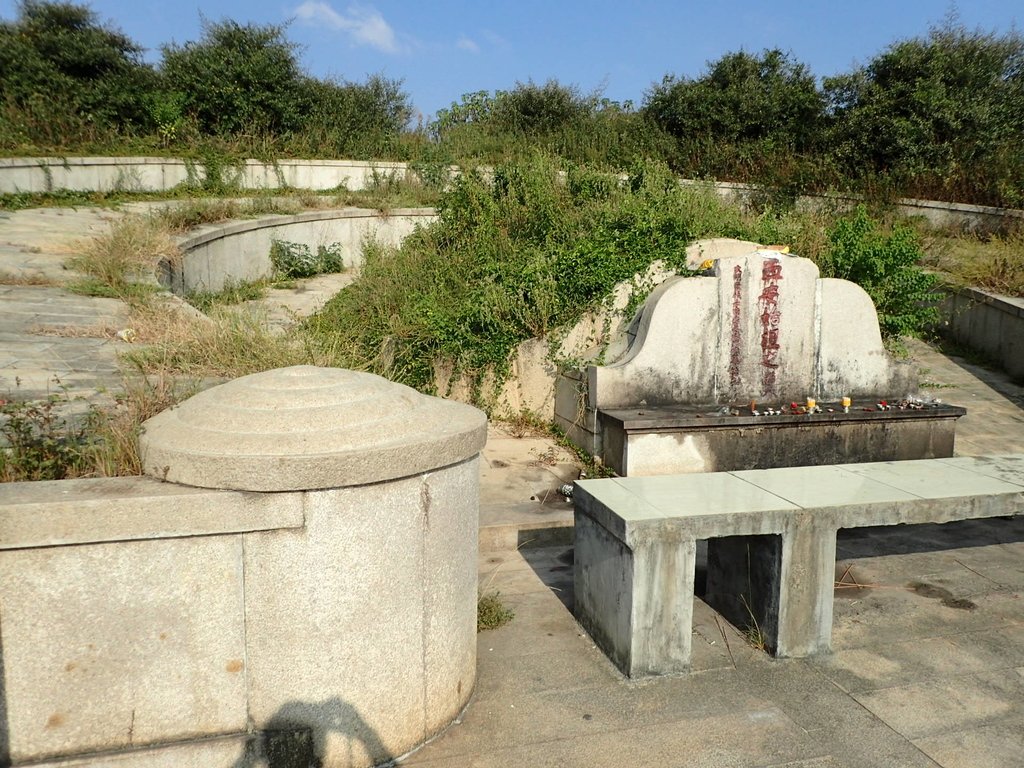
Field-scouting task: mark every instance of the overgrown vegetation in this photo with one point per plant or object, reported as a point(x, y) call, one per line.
point(938, 116)
point(524, 252)
point(528, 251)
point(886, 265)
point(511, 257)
point(121, 263)
point(58, 438)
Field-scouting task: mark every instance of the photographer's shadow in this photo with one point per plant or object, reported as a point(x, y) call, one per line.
point(297, 736)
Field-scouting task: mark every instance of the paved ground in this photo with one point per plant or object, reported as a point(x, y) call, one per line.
point(928, 666)
point(928, 661)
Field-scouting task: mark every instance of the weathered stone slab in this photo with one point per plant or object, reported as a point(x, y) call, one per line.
point(765, 327)
point(92, 510)
point(114, 646)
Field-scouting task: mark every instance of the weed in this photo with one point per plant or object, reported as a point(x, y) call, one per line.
point(491, 612)
point(752, 631)
point(23, 278)
point(114, 449)
point(227, 344)
point(993, 264)
point(233, 292)
point(182, 217)
point(40, 443)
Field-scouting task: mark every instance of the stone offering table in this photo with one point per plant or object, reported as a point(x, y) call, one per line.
point(668, 439)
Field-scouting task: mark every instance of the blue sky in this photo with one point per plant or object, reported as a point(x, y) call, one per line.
point(442, 48)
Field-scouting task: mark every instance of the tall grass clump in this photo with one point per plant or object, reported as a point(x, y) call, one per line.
point(512, 256)
point(122, 262)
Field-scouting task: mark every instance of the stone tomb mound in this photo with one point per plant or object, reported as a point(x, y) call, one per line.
point(748, 368)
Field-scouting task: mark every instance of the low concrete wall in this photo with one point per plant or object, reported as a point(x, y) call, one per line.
point(331, 622)
point(937, 213)
point(160, 174)
point(989, 323)
point(217, 254)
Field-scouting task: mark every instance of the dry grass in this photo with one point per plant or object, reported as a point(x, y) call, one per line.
point(181, 217)
point(115, 450)
point(227, 344)
point(994, 264)
point(23, 278)
point(127, 255)
point(75, 331)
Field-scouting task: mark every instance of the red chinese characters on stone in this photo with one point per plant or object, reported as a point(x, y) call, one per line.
point(736, 333)
point(771, 321)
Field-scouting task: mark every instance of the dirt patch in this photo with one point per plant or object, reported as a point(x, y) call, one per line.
point(944, 596)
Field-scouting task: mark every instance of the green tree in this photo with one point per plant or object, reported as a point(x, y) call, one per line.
point(62, 69)
point(237, 78)
point(353, 119)
point(941, 116)
point(742, 98)
point(494, 127)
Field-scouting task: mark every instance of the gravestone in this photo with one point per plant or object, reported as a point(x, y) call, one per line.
point(762, 328)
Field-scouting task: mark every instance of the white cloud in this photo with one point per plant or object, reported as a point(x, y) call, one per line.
point(465, 44)
point(494, 39)
point(363, 24)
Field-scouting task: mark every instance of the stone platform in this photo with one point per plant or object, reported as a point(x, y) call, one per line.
point(671, 439)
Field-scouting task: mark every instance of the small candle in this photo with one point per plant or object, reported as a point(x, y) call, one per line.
point(811, 402)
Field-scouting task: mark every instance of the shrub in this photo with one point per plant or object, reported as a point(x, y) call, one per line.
point(65, 77)
point(511, 258)
point(294, 260)
point(886, 266)
point(237, 78)
point(40, 443)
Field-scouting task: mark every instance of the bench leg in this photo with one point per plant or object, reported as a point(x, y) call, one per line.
point(637, 604)
point(777, 588)
point(662, 632)
point(807, 588)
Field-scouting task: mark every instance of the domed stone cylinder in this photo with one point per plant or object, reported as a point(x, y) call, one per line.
point(360, 626)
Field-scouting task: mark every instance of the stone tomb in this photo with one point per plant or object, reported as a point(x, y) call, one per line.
point(706, 357)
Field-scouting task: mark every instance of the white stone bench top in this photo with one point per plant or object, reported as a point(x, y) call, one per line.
point(761, 500)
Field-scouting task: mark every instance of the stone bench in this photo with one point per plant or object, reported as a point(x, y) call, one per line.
point(771, 546)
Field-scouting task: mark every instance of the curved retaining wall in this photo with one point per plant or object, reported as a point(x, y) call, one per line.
point(238, 251)
point(937, 213)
